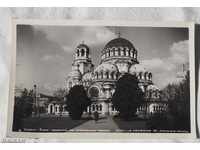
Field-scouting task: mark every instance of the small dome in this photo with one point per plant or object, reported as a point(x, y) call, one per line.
point(137, 68)
point(119, 42)
point(106, 67)
point(87, 76)
point(75, 73)
point(80, 46)
point(152, 87)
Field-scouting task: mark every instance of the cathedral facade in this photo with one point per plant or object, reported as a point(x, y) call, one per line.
point(118, 57)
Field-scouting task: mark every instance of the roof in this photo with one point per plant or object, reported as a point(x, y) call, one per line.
point(106, 67)
point(87, 76)
point(119, 42)
point(152, 87)
point(82, 45)
point(136, 68)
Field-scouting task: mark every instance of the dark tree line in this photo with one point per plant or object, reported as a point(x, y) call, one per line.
point(77, 101)
point(178, 97)
point(23, 108)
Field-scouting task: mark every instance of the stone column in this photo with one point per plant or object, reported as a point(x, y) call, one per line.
point(116, 53)
point(105, 110)
point(85, 52)
point(131, 53)
point(109, 75)
point(127, 53)
point(104, 75)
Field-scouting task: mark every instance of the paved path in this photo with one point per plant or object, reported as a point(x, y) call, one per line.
point(102, 124)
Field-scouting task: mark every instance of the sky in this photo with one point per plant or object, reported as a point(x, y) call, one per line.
point(44, 53)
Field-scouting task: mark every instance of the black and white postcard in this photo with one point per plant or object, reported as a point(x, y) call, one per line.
point(102, 80)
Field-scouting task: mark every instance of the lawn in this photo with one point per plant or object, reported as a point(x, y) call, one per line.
point(104, 124)
point(51, 123)
point(65, 123)
point(134, 124)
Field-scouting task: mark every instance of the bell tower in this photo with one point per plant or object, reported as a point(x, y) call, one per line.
point(82, 58)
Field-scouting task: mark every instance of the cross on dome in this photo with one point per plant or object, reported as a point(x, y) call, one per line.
point(119, 34)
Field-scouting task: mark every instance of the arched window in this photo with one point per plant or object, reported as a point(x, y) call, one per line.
point(94, 92)
point(102, 75)
point(124, 51)
point(150, 94)
point(113, 108)
point(96, 75)
point(107, 75)
point(51, 108)
point(56, 108)
point(156, 94)
point(97, 107)
point(112, 75)
point(87, 52)
point(146, 76)
point(119, 52)
point(112, 52)
point(64, 108)
point(93, 108)
point(77, 52)
point(135, 54)
point(140, 75)
point(115, 51)
point(116, 75)
point(100, 107)
point(150, 76)
point(82, 52)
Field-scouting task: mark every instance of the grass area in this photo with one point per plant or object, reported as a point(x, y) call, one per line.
point(56, 123)
point(133, 124)
point(108, 124)
point(65, 123)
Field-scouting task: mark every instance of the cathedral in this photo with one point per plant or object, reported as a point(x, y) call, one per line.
point(118, 57)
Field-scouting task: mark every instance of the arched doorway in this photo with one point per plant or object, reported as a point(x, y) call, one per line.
point(51, 109)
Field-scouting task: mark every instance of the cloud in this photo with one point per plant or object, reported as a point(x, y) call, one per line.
point(56, 45)
point(165, 70)
point(70, 37)
point(97, 35)
point(68, 49)
point(157, 64)
point(180, 52)
point(49, 88)
point(55, 57)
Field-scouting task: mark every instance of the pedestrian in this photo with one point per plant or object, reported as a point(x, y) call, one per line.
point(96, 116)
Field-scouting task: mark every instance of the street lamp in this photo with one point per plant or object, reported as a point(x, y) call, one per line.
point(37, 111)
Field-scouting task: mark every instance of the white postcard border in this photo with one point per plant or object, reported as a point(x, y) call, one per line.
point(98, 136)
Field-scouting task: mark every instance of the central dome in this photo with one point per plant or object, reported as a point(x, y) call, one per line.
point(106, 67)
point(119, 42)
point(119, 48)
